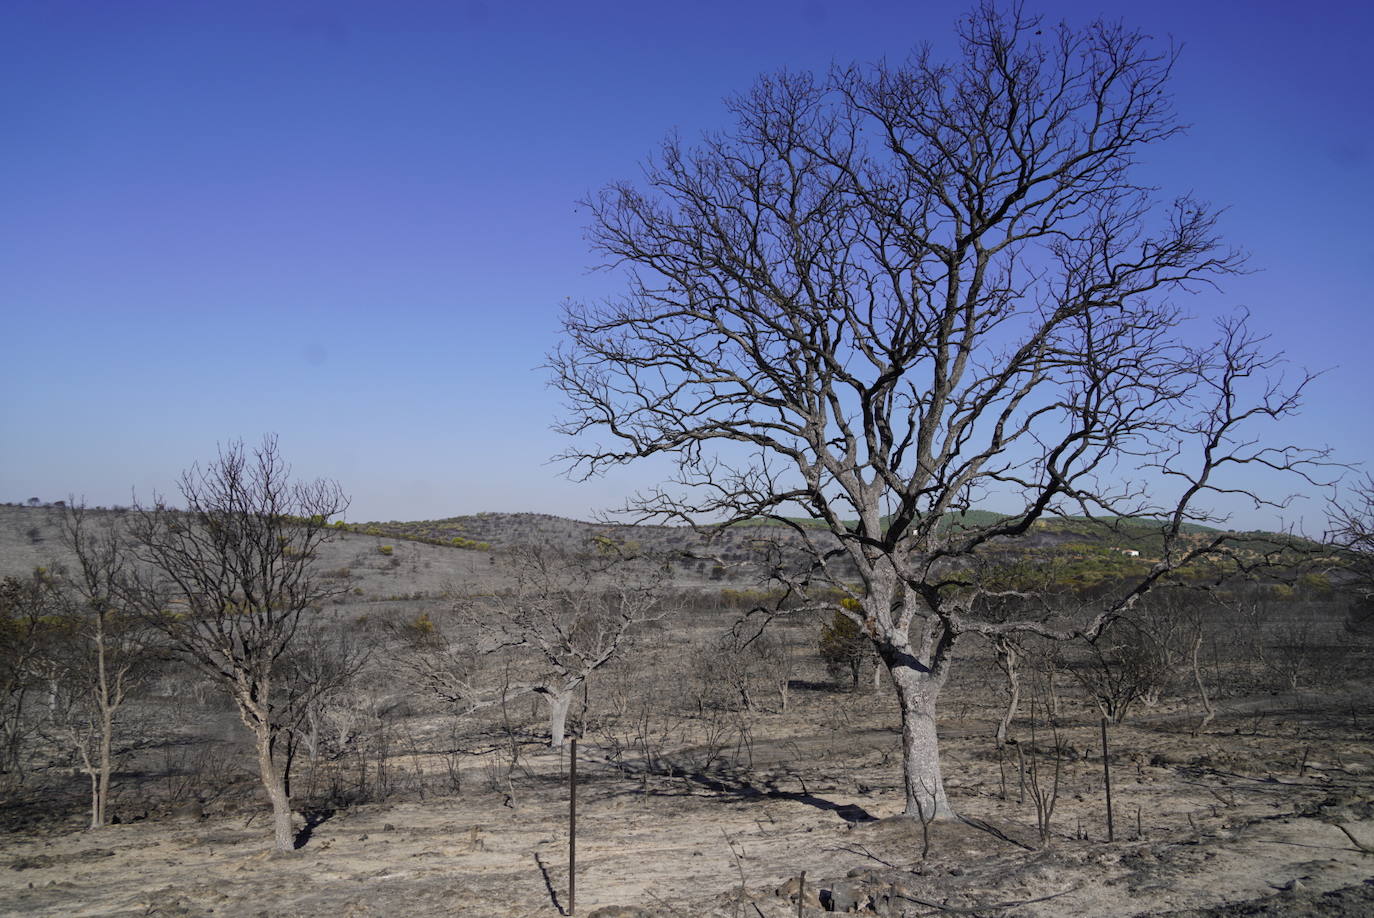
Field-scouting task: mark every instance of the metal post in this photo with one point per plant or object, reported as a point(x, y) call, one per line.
point(1107, 775)
point(572, 829)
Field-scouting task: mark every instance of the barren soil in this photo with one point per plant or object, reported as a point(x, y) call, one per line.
point(1245, 811)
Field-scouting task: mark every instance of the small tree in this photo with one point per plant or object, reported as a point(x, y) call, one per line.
point(104, 652)
point(228, 578)
point(1350, 529)
point(310, 680)
point(28, 606)
point(559, 617)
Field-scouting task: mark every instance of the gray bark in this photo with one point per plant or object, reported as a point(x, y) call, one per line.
point(558, 701)
point(925, 787)
point(1006, 661)
point(283, 833)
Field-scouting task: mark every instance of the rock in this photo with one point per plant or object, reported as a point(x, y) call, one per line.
point(896, 897)
point(845, 896)
point(793, 887)
point(388, 827)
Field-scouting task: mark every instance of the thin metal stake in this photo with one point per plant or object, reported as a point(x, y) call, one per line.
point(1107, 775)
point(572, 829)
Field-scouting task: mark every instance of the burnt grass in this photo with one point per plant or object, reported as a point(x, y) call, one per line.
point(694, 800)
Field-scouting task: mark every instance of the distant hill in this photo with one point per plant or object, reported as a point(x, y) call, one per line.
point(459, 546)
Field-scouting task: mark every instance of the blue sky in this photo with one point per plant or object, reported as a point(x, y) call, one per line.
point(352, 224)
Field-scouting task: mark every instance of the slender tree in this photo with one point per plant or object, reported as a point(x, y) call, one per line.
point(228, 578)
point(28, 608)
point(892, 293)
point(105, 648)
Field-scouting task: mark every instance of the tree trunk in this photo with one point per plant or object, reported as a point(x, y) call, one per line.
point(1006, 660)
point(96, 819)
point(283, 833)
point(1208, 711)
point(100, 804)
point(559, 700)
point(917, 691)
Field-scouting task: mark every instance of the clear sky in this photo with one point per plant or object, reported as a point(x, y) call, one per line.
point(353, 223)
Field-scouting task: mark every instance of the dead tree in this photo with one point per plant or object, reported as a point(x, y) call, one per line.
point(888, 294)
point(28, 609)
point(310, 680)
point(227, 579)
point(555, 620)
point(1350, 530)
point(105, 650)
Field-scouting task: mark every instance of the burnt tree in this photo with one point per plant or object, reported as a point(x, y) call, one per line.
point(892, 293)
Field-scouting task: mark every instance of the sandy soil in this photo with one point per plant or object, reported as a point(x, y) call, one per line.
point(1245, 811)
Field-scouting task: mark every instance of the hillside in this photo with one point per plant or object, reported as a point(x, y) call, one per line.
point(425, 557)
point(711, 771)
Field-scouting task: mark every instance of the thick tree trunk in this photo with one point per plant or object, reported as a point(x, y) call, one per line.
point(283, 833)
point(925, 788)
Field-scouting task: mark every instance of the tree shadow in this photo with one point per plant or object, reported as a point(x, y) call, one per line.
point(742, 788)
point(548, 884)
point(314, 818)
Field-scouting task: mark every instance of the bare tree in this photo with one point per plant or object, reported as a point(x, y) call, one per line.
point(28, 607)
point(1350, 528)
point(228, 579)
point(105, 648)
point(309, 681)
point(897, 291)
point(563, 616)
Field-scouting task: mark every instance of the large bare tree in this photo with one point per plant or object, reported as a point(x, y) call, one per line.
point(228, 577)
point(895, 292)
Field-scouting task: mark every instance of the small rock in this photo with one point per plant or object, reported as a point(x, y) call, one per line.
point(793, 888)
point(847, 896)
point(388, 828)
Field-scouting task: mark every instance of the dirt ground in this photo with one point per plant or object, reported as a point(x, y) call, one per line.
point(1238, 820)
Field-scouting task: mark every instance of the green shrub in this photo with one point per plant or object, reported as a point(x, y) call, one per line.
point(843, 644)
